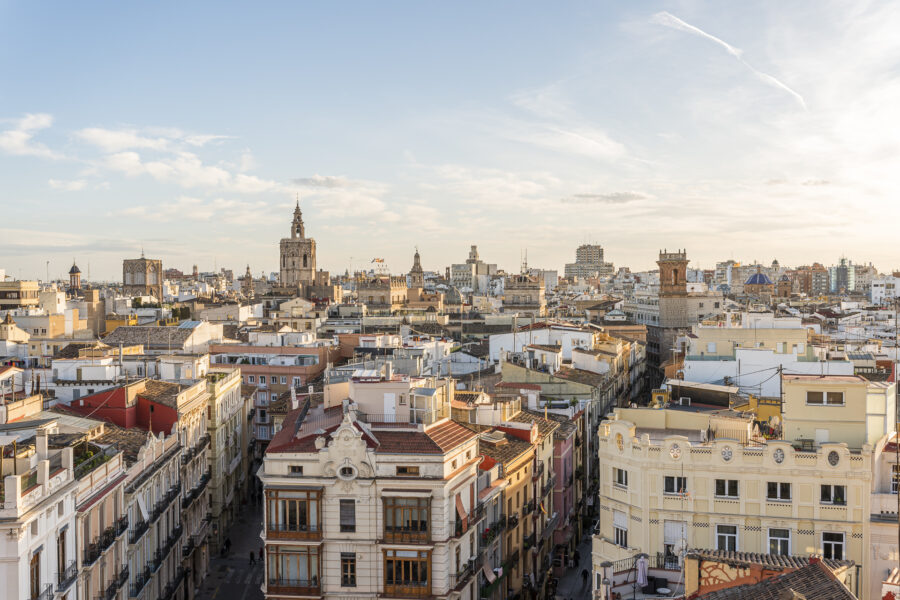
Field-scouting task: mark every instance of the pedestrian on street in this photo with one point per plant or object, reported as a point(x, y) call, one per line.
point(260, 554)
point(584, 577)
point(252, 557)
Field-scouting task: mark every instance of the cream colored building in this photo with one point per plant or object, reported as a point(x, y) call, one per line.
point(18, 294)
point(672, 480)
point(361, 505)
point(224, 426)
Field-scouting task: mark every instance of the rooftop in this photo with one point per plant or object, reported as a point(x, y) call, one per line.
point(813, 581)
point(163, 392)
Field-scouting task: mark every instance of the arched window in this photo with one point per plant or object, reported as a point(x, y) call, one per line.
point(304, 260)
point(674, 276)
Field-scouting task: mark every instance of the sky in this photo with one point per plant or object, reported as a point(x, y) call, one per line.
point(753, 131)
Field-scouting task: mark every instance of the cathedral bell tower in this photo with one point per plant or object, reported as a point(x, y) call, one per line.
point(416, 274)
point(298, 255)
point(297, 225)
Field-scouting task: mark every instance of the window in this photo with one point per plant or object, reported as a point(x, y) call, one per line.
point(295, 470)
point(833, 545)
point(727, 488)
point(825, 398)
point(251, 378)
point(406, 569)
point(620, 477)
point(348, 569)
point(726, 537)
point(620, 528)
point(348, 514)
point(283, 380)
point(346, 471)
point(779, 491)
point(675, 485)
point(296, 382)
point(834, 494)
point(407, 471)
point(35, 574)
point(711, 347)
point(293, 566)
point(406, 519)
point(895, 480)
point(453, 465)
point(293, 512)
point(780, 541)
point(273, 379)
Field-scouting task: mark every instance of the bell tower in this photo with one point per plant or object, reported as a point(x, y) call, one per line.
point(298, 254)
point(416, 274)
point(672, 273)
point(297, 224)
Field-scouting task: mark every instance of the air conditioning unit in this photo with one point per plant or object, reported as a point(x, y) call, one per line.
point(684, 401)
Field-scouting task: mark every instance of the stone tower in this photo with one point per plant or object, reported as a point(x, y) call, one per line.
point(142, 277)
point(416, 274)
point(298, 255)
point(74, 277)
point(672, 273)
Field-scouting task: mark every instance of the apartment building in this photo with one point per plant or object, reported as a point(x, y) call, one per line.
point(19, 294)
point(162, 407)
point(225, 421)
point(676, 479)
point(38, 557)
point(274, 370)
point(371, 497)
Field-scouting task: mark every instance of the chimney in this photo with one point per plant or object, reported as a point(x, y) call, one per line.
point(294, 403)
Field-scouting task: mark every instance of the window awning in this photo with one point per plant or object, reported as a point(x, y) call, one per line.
point(488, 574)
point(461, 511)
point(144, 514)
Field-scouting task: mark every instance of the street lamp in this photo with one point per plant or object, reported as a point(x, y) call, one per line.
point(606, 582)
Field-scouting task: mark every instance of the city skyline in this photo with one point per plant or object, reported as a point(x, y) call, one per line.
point(639, 127)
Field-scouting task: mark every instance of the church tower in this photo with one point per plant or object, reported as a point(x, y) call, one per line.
point(74, 277)
point(672, 273)
point(416, 274)
point(298, 255)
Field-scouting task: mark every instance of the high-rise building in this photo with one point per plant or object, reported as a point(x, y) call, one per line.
point(589, 263)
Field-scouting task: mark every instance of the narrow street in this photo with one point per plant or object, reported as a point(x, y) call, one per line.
point(571, 586)
point(233, 577)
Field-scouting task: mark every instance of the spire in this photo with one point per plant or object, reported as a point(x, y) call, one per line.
point(297, 230)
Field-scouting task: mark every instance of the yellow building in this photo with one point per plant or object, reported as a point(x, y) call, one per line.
point(672, 480)
point(840, 408)
point(19, 294)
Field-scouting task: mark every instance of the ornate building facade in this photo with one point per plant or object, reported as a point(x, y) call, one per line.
point(298, 255)
point(142, 277)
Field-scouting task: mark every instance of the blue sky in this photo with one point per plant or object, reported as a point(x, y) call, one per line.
point(756, 130)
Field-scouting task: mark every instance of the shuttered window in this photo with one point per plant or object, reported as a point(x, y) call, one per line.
point(348, 515)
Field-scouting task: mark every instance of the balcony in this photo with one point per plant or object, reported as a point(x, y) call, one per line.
point(296, 587)
point(139, 530)
point(529, 507)
point(100, 545)
point(406, 536)
point(172, 588)
point(538, 471)
point(121, 525)
point(285, 531)
point(45, 594)
point(408, 589)
point(512, 522)
point(473, 518)
point(140, 582)
point(196, 491)
point(528, 542)
point(490, 533)
point(460, 579)
point(548, 487)
point(66, 577)
point(188, 548)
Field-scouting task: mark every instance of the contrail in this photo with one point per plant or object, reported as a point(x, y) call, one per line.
point(669, 20)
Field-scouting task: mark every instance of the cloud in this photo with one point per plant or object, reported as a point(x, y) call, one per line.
point(68, 186)
point(148, 138)
point(609, 198)
point(19, 140)
point(669, 20)
point(322, 181)
point(187, 170)
point(188, 208)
